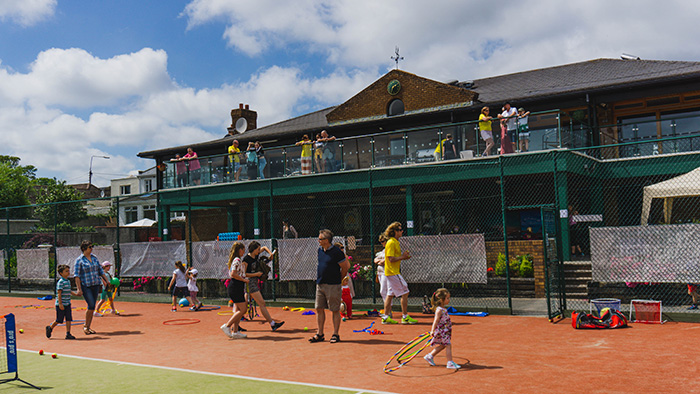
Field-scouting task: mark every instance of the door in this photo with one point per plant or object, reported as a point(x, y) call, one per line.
point(553, 265)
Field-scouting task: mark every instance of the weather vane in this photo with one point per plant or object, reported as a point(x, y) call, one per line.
point(397, 58)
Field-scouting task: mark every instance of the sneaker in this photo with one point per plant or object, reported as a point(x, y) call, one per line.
point(69, 336)
point(277, 325)
point(48, 331)
point(693, 307)
point(96, 314)
point(238, 335)
point(453, 365)
point(174, 309)
point(429, 358)
point(408, 320)
point(227, 331)
point(388, 320)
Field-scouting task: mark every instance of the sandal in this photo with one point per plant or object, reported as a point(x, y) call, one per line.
point(316, 338)
point(335, 338)
point(88, 331)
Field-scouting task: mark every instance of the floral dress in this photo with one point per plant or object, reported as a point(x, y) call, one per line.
point(443, 331)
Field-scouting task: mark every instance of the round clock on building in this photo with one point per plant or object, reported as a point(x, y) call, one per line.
point(394, 87)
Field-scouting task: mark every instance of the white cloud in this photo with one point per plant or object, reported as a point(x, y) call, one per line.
point(457, 39)
point(26, 12)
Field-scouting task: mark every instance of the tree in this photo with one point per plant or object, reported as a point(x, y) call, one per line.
point(14, 181)
point(51, 190)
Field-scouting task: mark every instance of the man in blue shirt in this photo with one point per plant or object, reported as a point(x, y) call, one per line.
point(332, 268)
point(89, 278)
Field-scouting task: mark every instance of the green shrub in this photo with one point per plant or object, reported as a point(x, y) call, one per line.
point(526, 267)
point(500, 269)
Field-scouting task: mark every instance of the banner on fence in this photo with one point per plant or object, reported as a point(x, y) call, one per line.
point(299, 257)
point(68, 254)
point(661, 253)
point(151, 258)
point(2, 263)
point(453, 258)
point(210, 258)
point(33, 263)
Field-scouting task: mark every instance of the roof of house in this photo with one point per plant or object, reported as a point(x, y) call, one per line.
point(587, 76)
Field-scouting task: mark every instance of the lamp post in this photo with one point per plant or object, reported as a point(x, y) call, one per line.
point(90, 176)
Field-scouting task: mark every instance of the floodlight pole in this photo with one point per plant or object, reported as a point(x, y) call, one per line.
point(90, 176)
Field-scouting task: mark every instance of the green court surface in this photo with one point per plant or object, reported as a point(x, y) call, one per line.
point(67, 374)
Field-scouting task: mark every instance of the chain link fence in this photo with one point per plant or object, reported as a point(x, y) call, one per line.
point(579, 225)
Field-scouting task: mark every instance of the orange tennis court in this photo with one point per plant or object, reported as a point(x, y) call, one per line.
point(498, 353)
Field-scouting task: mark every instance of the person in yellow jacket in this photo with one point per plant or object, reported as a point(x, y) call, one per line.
point(234, 157)
point(397, 286)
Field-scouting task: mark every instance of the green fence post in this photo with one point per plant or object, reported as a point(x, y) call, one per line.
point(7, 252)
point(371, 235)
point(409, 210)
point(118, 254)
point(505, 232)
point(274, 244)
point(55, 254)
point(189, 226)
point(256, 219)
point(561, 202)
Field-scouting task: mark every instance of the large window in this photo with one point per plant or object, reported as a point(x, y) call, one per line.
point(147, 185)
point(131, 214)
point(149, 211)
point(124, 189)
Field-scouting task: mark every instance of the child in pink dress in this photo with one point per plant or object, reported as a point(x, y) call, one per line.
point(442, 329)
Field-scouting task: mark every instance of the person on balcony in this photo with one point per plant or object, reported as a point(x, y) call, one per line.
point(305, 144)
point(508, 128)
point(523, 129)
point(485, 130)
point(261, 158)
point(449, 148)
point(180, 171)
point(195, 168)
point(234, 157)
point(252, 163)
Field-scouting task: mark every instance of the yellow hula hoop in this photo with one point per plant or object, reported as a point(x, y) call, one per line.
point(422, 338)
point(225, 313)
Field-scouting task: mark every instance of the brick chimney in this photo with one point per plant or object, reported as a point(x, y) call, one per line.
point(249, 122)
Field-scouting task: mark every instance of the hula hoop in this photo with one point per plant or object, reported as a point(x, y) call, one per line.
point(422, 338)
point(225, 313)
point(209, 308)
point(180, 322)
point(72, 322)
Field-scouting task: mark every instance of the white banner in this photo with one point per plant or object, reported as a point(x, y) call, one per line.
point(33, 263)
point(299, 257)
point(660, 253)
point(68, 254)
point(2, 263)
point(151, 258)
point(210, 258)
point(454, 258)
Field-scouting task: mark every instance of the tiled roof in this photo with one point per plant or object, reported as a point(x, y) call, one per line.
point(584, 76)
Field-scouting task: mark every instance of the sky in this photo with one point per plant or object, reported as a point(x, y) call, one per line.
point(117, 77)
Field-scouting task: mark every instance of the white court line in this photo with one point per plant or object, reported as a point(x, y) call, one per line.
point(221, 374)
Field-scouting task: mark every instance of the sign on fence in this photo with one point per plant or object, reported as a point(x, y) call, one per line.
point(152, 258)
point(453, 258)
point(33, 263)
point(210, 258)
point(661, 253)
point(68, 254)
point(299, 257)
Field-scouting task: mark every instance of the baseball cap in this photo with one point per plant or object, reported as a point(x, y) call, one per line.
point(106, 264)
point(194, 271)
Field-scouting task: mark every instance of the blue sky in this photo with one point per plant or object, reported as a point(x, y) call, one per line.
point(83, 78)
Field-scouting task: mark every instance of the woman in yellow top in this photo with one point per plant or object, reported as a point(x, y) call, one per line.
point(485, 129)
point(396, 285)
point(234, 157)
point(305, 144)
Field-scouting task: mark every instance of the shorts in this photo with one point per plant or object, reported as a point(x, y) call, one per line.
point(196, 174)
point(236, 166)
point(253, 285)
point(383, 284)
point(106, 294)
point(66, 314)
point(396, 285)
point(524, 136)
point(90, 294)
point(486, 134)
point(180, 292)
point(328, 296)
point(236, 291)
point(193, 294)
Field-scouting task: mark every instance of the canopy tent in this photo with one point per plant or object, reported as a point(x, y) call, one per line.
point(686, 185)
point(145, 222)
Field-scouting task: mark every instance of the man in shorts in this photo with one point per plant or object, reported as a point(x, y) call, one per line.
point(332, 268)
point(397, 286)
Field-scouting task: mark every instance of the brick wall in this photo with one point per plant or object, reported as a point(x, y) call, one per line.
point(515, 248)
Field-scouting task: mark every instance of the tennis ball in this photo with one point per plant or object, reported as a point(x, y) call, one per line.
point(21, 331)
point(344, 319)
point(54, 355)
point(41, 352)
point(306, 328)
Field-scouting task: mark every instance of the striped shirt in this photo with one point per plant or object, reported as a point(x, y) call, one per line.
point(89, 271)
point(63, 285)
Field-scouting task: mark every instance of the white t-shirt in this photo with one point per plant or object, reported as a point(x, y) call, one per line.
point(180, 278)
point(192, 284)
point(510, 123)
point(238, 267)
point(380, 268)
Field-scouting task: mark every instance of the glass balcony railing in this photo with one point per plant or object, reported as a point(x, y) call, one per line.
point(629, 138)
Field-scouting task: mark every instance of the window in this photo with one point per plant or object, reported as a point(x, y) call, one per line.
point(149, 211)
point(131, 214)
point(147, 185)
point(124, 189)
point(396, 107)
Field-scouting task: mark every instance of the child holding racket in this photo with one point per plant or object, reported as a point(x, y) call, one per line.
point(442, 329)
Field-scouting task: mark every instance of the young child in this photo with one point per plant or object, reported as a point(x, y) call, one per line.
point(107, 295)
point(695, 294)
point(178, 284)
point(348, 291)
point(442, 329)
point(63, 307)
point(192, 287)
